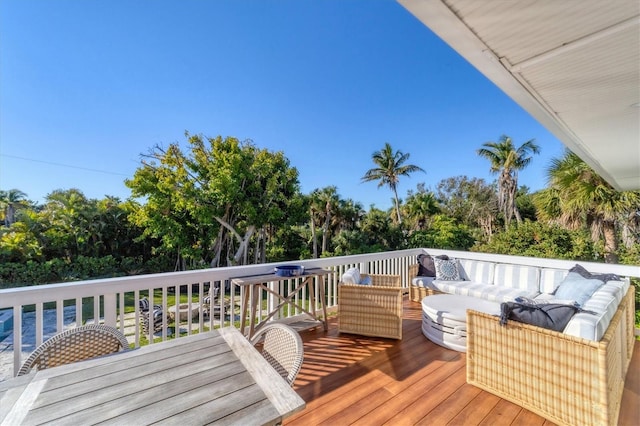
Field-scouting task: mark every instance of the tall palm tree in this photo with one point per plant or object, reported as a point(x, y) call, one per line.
point(506, 159)
point(10, 201)
point(578, 196)
point(390, 167)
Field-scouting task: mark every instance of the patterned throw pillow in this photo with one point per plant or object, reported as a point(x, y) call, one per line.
point(447, 270)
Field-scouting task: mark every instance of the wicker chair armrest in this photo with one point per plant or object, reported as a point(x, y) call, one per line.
point(412, 271)
point(384, 280)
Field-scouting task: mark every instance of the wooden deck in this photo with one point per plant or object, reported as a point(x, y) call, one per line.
point(348, 379)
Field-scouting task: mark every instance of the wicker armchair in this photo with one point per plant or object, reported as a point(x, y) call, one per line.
point(371, 310)
point(76, 344)
point(282, 347)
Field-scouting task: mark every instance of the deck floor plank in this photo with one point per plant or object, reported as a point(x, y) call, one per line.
point(348, 379)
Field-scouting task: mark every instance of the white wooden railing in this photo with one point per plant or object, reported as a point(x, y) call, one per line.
point(112, 298)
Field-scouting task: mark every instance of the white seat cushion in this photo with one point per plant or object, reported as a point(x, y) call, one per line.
point(484, 291)
point(604, 302)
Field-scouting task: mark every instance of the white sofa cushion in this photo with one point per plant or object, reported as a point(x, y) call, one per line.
point(604, 303)
point(490, 292)
point(476, 270)
point(423, 282)
point(517, 277)
point(550, 279)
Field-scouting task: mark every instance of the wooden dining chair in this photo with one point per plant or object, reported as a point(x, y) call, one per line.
point(282, 347)
point(76, 344)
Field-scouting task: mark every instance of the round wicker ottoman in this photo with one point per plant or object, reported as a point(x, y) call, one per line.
point(444, 318)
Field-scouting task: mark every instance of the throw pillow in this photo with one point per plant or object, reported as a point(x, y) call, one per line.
point(586, 274)
point(575, 287)
point(351, 276)
point(447, 270)
point(366, 280)
point(426, 266)
point(551, 315)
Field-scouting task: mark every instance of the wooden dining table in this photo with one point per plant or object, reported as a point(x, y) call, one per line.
point(215, 377)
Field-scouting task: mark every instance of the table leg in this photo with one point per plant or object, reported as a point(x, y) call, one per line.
point(254, 307)
point(312, 296)
point(323, 303)
point(244, 304)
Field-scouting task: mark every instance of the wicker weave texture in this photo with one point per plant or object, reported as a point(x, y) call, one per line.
point(282, 347)
point(76, 344)
point(374, 310)
point(417, 293)
point(566, 379)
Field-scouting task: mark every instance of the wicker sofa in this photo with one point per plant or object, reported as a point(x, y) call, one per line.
point(575, 377)
point(371, 310)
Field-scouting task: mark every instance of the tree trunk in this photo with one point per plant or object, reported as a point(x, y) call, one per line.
point(610, 241)
point(395, 196)
point(314, 237)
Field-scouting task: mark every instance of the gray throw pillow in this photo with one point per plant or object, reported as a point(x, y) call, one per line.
point(426, 267)
point(552, 316)
point(579, 269)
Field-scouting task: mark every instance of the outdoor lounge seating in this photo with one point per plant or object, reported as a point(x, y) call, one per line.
point(76, 344)
point(282, 347)
point(370, 305)
point(156, 315)
point(571, 377)
point(211, 304)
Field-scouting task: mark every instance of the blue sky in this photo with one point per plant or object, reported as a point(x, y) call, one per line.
point(88, 86)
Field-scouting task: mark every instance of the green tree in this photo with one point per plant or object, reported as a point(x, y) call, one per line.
point(445, 232)
point(471, 201)
point(419, 207)
point(218, 203)
point(577, 196)
point(10, 202)
point(536, 239)
point(390, 166)
point(507, 160)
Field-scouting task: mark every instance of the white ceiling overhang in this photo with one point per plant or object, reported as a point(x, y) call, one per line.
point(573, 65)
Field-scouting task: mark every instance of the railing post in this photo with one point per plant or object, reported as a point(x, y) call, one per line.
point(109, 310)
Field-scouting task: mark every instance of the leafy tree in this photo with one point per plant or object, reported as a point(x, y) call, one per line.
point(419, 207)
point(506, 160)
point(10, 202)
point(536, 239)
point(215, 204)
point(390, 166)
point(445, 232)
point(577, 196)
point(471, 201)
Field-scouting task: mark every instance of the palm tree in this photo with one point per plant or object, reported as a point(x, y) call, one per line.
point(390, 167)
point(10, 201)
point(578, 196)
point(506, 159)
point(419, 207)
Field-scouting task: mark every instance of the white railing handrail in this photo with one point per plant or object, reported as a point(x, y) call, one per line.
point(70, 290)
